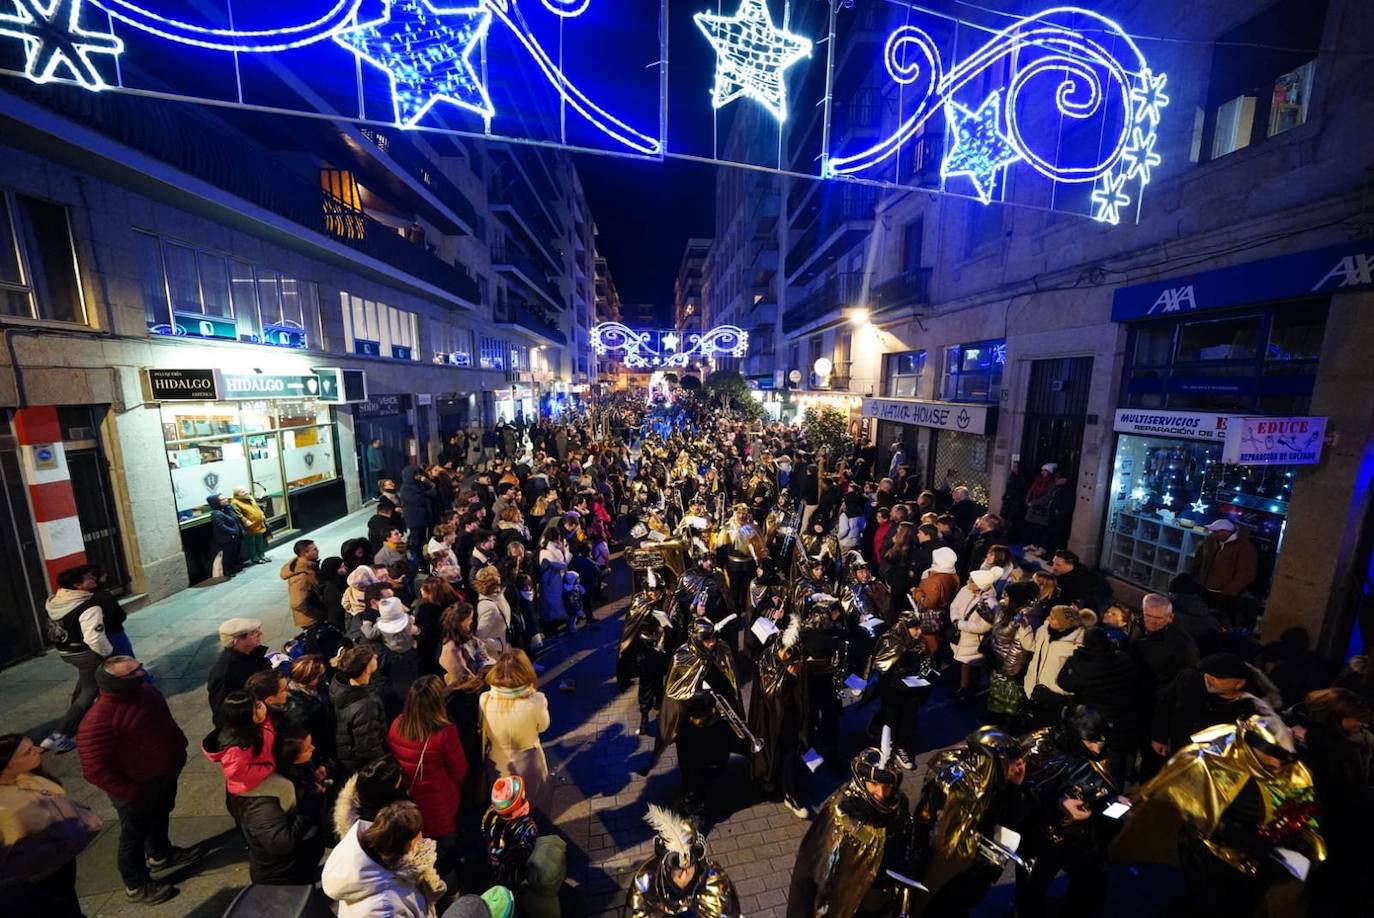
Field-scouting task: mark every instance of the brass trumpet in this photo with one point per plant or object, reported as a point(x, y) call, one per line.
point(733, 720)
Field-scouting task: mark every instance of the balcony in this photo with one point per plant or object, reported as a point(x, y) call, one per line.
point(394, 150)
point(829, 228)
point(526, 318)
point(512, 202)
point(839, 292)
point(510, 259)
point(197, 144)
point(838, 380)
point(911, 288)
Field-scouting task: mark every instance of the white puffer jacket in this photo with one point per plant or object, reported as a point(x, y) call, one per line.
point(1048, 656)
point(364, 888)
point(970, 619)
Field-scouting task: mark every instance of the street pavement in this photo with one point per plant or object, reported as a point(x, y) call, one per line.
point(598, 804)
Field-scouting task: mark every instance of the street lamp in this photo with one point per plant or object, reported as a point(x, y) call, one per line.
point(857, 315)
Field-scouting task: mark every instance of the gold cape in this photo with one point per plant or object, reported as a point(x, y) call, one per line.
point(685, 675)
point(958, 789)
point(639, 620)
point(712, 895)
point(839, 859)
point(1192, 792)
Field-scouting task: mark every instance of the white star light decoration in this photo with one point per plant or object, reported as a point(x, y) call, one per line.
point(1198, 506)
point(751, 55)
point(426, 52)
point(1138, 494)
point(1167, 500)
point(1109, 196)
point(670, 341)
point(980, 149)
point(55, 45)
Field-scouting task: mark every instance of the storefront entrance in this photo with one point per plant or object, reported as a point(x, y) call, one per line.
point(1056, 408)
point(382, 418)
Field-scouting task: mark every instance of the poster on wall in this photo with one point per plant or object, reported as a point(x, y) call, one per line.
point(1274, 441)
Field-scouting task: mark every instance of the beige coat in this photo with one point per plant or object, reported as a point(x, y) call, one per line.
point(1047, 656)
point(510, 730)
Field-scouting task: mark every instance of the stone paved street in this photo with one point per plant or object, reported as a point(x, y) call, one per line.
point(599, 801)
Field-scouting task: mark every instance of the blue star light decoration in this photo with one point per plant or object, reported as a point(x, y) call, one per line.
point(981, 148)
point(55, 45)
point(751, 56)
point(426, 51)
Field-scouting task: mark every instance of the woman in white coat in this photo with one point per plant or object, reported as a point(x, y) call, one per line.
point(514, 713)
point(973, 612)
point(384, 867)
point(1051, 645)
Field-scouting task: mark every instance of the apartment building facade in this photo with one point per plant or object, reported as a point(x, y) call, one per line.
point(988, 337)
point(199, 300)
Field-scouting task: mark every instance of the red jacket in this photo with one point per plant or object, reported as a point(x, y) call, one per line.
point(128, 740)
point(436, 789)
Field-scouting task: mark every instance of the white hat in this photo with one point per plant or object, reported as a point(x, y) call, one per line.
point(942, 560)
point(1222, 525)
point(1050, 467)
point(394, 618)
point(239, 627)
point(985, 579)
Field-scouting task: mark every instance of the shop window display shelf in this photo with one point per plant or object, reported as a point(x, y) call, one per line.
point(1150, 551)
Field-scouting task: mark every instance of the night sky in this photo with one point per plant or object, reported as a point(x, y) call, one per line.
point(645, 212)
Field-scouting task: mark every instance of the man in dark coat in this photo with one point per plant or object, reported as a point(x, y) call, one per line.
point(382, 522)
point(227, 533)
point(1214, 693)
point(417, 505)
point(1161, 651)
point(243, 655)
point(132, 749)
point(965, 509)
point(1079, 584)
point(1104, 678)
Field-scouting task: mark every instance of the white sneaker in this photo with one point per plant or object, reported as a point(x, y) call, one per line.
point(58, 743)
point(903, 761)
point(796, 809)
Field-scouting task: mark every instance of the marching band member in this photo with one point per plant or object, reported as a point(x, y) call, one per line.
point(900, 654)
point(775, 717)
point(643, 649)
point(825, 656)
point(678, 878)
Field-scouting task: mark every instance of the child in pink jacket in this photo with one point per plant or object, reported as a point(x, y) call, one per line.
point(242, 746)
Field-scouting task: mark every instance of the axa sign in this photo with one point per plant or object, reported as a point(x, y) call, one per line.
point(1335, 269)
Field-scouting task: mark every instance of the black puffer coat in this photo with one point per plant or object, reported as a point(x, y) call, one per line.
point(284, 839)
point(1100, 675)
point(360, 723)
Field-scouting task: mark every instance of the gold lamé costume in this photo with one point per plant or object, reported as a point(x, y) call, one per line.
point(691, 665)
point(1194, 789)
point(710, 894)
point(842, 856)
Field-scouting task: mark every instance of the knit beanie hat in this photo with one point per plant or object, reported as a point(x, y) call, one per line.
point(508, 797)
point(499, 901)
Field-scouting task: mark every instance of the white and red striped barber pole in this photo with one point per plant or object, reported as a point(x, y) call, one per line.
point(44, 464)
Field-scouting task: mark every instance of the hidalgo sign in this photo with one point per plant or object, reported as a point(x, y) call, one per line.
point(172, 385)
point(974, 419)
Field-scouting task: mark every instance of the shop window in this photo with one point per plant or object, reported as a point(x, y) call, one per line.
point(1260, 362)
point(373, 329)
point(1163, 491)
point(973, 372)
point(38, 275)
point(904, 372)
point(272, 448)
point(1222, 339)
point(1262, 76)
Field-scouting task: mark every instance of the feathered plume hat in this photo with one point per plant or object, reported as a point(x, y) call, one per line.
point(678, 841)
point(876, 765)
point(792, 634)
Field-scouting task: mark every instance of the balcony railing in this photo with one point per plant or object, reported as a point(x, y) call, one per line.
point(405, 154)
point(838, 292)
point(906, 289)
point(528, 318)
point(203, 147)
point(505, 254)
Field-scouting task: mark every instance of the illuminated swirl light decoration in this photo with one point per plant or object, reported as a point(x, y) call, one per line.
point(1101, 74)
point(422, 46)
point(637, 351)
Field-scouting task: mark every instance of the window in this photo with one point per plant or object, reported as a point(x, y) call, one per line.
point(913, 238)
point(904, 372)
point(1261, 80)
point(973, 372)
point(1264, 361)
point(198, 293)
point(451, 345)
point(38, 276)
point(491, 353)
point(374, 329)
point(519, 357)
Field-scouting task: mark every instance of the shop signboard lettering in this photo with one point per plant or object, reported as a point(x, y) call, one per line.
point(1275, 441)
point(380, 405)
point(178, 385)
point(1190, 425)
point(1337, 268)
point(974, 419)
point(181, 385)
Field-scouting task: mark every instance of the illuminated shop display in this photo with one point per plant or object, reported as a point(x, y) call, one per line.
point(1064, 97)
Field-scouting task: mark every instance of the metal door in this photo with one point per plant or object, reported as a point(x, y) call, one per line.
point(23, 580)
point(1056, 408)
